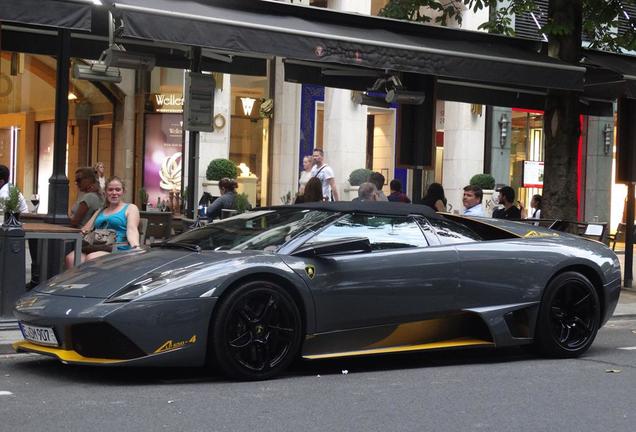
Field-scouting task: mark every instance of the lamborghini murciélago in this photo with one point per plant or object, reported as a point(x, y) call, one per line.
point(251, 293)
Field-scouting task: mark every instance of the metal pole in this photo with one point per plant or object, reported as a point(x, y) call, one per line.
point(629, 237)
point(193, 138)
point(58, 182)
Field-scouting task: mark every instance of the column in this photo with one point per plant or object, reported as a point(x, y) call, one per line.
point(463, 150)
point(345, 127)
point(124, 128)
point(286, 136)
point(463, 135)
point(215, 145)
point(598, 169)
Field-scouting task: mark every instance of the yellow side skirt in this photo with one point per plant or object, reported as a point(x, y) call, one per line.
point(66, 356)
point(453, 343)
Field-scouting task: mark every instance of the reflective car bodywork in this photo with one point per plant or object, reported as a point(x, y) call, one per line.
point(428, 281)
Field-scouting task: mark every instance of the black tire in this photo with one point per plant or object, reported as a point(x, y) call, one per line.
point(256, 331)
point(569, 316)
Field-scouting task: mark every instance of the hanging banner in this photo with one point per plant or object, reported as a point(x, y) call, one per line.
point(163, 155)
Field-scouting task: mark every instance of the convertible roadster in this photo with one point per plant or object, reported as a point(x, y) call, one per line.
point(251, 293)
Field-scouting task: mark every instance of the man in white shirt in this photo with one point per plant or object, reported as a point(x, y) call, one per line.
point(324, 173)
point(4, 188)
point(472, 201)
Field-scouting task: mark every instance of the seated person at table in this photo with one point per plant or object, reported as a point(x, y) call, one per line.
point(227, 200)
point(117, 215)
point(89, 199)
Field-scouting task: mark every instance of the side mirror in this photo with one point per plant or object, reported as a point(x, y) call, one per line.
point(342, 246)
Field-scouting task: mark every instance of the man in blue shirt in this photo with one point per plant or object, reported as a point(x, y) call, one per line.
point(472, 201)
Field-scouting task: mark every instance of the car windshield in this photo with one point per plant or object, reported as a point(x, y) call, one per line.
point(264, 230)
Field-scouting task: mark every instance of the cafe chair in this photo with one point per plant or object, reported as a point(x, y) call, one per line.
point(143, 227)
point(159, 225)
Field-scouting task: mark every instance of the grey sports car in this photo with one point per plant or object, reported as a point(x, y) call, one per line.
point(251, 293)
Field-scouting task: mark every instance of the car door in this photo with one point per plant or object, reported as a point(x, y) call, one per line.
point(402, 279)
point(494, 272)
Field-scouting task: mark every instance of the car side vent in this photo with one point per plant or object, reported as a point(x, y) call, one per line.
point(519, 323)
point(101, 340)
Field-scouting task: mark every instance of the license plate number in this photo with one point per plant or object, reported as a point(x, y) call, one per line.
point(39, 335)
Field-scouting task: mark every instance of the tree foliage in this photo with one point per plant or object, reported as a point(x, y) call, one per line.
point(600, 18)
point(567, 22)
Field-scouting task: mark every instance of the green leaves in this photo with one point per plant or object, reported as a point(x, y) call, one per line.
point(599, 18)
point(12, 203)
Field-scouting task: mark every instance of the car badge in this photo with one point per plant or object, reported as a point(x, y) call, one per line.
point(310, 270)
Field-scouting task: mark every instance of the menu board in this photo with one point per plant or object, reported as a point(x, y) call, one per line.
point(533, 174)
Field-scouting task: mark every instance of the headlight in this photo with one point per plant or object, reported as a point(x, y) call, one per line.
point(151, 282)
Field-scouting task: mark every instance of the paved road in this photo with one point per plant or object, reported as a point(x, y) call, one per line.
point(494, 390)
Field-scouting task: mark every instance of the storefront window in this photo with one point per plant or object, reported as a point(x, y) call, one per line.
point(526, 153)
point(249, 138)
point(27, 116)
point(163, 138)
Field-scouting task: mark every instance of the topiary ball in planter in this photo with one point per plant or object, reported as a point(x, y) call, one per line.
point(484, 181)
point(219, 168)
point(359, 176)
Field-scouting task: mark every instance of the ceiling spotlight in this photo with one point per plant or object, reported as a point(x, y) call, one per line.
point(405, 97)
point(116, 56)
point(96, 72)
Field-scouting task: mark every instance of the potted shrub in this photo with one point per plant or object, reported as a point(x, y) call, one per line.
point(356, 178)
point(217, 169)
point(11, 207)
point(484, 181)
point(487, 184)
point(242, 203)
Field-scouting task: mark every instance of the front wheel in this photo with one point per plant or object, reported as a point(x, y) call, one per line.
point(256, 332)
point(569, 316)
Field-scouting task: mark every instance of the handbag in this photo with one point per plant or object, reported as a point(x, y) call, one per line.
point(100, 237)
point(99, 240)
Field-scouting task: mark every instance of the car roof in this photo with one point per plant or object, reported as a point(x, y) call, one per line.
point(372, 207)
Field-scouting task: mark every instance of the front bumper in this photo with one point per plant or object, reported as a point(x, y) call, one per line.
point(90, 331)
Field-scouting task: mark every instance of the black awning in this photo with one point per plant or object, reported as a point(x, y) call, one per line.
point(495, 94)
point(609, 75)
point(321, 35)
point(49, 13)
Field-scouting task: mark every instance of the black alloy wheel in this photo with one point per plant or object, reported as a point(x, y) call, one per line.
point(569, 316)
point(257, 331)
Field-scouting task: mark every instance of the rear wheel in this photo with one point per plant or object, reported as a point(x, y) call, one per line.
point(257, 331)
point(569, 316)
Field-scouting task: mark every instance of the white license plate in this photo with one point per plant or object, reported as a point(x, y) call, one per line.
point(39, 335)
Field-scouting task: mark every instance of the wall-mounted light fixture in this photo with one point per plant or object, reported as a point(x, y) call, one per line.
point(504, 123)
point(608, 131)
point(248, 104)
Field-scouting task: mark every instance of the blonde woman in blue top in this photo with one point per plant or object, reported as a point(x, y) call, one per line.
point(117, 215)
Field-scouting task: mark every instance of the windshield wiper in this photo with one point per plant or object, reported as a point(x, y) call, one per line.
point(178, 245)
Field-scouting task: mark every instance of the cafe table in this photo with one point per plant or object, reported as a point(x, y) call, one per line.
point(43, 232)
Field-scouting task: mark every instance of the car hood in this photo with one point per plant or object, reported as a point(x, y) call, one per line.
point(105, 276)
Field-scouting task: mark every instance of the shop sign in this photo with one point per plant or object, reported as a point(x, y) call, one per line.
point(532, 174)
point(167, 102)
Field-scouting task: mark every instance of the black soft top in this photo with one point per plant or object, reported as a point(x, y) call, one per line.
point(372, 207)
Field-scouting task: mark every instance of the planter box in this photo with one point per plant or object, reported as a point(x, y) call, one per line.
point(487, 203)
point(350, 192)
point(212, 187)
